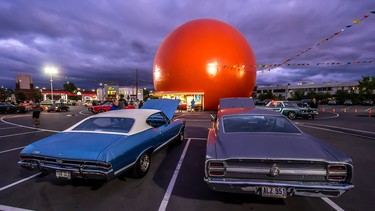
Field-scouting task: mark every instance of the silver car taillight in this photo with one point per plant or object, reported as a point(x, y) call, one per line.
point(216, 169)
point(337, 173)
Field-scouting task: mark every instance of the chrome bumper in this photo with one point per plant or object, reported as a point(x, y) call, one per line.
point(293, 189)
point(76, 172)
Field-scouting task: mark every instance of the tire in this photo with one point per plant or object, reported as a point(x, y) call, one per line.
point(181, 136)
point(142, 165)
point(291, 115)
point(101, 111)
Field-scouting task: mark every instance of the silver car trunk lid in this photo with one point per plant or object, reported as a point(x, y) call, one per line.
point(271, 146)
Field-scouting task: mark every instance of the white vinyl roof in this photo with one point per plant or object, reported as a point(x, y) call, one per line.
point(139, 116)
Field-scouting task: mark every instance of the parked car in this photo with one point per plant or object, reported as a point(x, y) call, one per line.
point(259, 102)
point(88, 103)
point(348, 102)
point(332, 102)
point(105, 107)
point(6, 107)
point(368, 102)
point(106, 145)
point(258, 151)
point(58, 107)
point(292, 110)
point(28, 106)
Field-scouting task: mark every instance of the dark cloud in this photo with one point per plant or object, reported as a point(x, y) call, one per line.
point(92, 41)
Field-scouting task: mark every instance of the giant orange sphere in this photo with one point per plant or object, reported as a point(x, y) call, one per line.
point(207, 56)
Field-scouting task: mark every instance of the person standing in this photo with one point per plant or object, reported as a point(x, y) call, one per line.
point(115, 105)
point(192, 104)
point(314, 104)
point(122, 102)
point(36, 113)
point(140, 104)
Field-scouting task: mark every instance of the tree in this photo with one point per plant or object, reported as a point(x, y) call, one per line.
point(342, 95)
point(367, 85)
point(20, 96)
point(298, 95)
point(38, 94)
point(70, 87)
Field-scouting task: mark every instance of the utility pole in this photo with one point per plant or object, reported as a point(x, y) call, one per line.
point(136, 84)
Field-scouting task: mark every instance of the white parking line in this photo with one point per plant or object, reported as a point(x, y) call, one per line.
point(10, 150)
point(81, 112)
point(20, 181)
point(332, 204)
point(4, 128)
point(330, 117)
point(168, 193)
point(18, 134)
point(335, 131)
point(7, 208)
point(368, 109)
point(18, 125)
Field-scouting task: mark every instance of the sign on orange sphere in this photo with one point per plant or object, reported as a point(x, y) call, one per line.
point(207, 56)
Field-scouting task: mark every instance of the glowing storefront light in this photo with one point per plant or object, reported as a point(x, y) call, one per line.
point(212, 68)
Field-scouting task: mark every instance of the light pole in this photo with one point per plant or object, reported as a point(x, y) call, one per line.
point(51, 70)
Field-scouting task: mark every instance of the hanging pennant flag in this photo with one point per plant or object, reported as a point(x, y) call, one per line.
point(348, 26)
point(373, 12)
point(365, 16)
point(356, 21)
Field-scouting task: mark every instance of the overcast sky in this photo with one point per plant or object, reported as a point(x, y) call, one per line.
point(106, 40)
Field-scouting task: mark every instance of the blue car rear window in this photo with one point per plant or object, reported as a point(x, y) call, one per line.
point(106, 124)
point(258, 123)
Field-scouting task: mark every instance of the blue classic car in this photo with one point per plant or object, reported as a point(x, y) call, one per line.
point(258, 151)
point(105, 145)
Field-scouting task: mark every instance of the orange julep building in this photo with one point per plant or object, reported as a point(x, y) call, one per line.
point(204, 60)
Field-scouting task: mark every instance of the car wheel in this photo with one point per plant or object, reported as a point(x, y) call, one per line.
point(142, 165)
point(100, 111)
point(291, 115)
point(181, 136)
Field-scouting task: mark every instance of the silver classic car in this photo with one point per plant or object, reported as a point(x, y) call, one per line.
point(258, 151)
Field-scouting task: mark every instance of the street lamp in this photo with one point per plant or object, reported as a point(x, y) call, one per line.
point(51, 70)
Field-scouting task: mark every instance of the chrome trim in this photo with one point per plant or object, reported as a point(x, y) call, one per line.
point(283, 171)
point(309, 190)
point(76, 169)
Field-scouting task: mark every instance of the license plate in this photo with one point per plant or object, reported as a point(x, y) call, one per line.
point(63, 174)
point(275, 192)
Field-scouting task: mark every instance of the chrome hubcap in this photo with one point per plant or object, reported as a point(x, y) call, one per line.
point(145, 162)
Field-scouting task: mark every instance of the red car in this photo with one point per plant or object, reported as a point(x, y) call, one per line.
point(104, 108)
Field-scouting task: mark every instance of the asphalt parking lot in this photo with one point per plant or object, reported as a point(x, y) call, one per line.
point(175, 180)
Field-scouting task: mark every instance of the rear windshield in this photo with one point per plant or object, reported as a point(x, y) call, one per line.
point(258, 123)
point(106, 124)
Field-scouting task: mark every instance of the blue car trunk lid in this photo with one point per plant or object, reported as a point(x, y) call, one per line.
point(270, 146)
point(71, 145)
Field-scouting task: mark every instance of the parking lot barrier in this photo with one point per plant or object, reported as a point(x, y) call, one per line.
point(344, 110)
point(333, 110)
point(322, 109)
point(355, 110)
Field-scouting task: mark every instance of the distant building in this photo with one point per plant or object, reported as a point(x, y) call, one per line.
point(24, 83)
point(286, 91)
point(112, 91)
